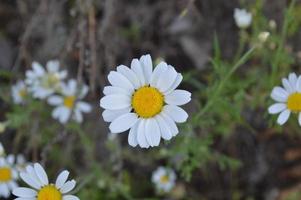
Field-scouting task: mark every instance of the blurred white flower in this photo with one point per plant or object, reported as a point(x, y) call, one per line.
point(8, 175)
point(263, 36)
point(288, 99)
point(19, 92)
point(42, 83)
point(242, 18)
point(36, 177)
point(145, 101)
point(69, 104)
point(164, 179)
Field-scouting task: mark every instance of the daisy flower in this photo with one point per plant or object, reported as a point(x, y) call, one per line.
point(288, 99)
point(42, 83)
point(164, 179)
point(19, 92)
point(36, 177)
point(242, 18)
point(8, 175)
point(145, 101)
point(69, 104)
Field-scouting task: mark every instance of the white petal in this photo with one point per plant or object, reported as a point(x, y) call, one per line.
point(178, 97)
point(283, 117)
point(164, 128)
point(147, 65)
point(31, 172)
point(61, 179)
point(171, 124)
point(31, 181)
point(288, 87)
point(176, 113)
point(72, 87)
point(137, 68)
point(115, 102)
point(132, 137)
point(68, 186)
point(298, 84)
point(40, 172)
point(10, 159)
point(110, 115)
point(4, 190)
point(24, 192)
point(152, 132)
point(141, 135)
point(279, 94)
point(64, 115)
point(115, 90)
point(70, 197)
point(129, 74)
point(53, 65)
point(83, 107)
point(277, 108)
point(123, 123)
point(83, 91)
point(77, 116)
point(38, 69)
point(175, 84)
point(118, 80)
point(55, 100)
point(167, 79)
point(160, 69)
point(292, 78)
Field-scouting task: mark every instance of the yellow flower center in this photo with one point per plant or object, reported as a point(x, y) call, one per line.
point(49, 192)
point(51, 80)
point(69, 101)
point(5, 174)
point(294, 102)
point(164, 179)
point(147, 101)
point(22, 93)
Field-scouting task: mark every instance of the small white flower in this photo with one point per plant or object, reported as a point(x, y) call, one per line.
point(263, 36)
point(242, 18)
point(145, 101)
point(8, 176)
point(19, 92)
point(164, 179)
point(36, 177)
point(288, 99)
point(69, 104)
point(42, 83)
point(21, 163)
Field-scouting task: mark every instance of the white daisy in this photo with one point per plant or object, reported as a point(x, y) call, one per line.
point(69, 104)
point(164, 179)
point(288, 99)
point(42, 83)
point(8, 175)
point(36, 177)
point(145, 101)
point(242, 18)
point(19, 92)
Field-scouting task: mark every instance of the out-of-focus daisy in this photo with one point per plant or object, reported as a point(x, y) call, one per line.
point(69, 104)
point(42, 83)
point(164, 179)
point(21, 163)
point(145, 101)
point(288, 99)
point(36, 177)
point(8, 175)
point(19, 92)
point(242, 18)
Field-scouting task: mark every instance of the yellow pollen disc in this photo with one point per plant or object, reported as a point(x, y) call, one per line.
point(69, 101)
point(49, 192)
point(147, 101)
point(294, 102)
point(164, 179)
point(22, 93)
point(5, 174)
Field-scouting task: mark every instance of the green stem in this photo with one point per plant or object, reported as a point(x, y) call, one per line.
point(221, 85)
point(275, 62)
